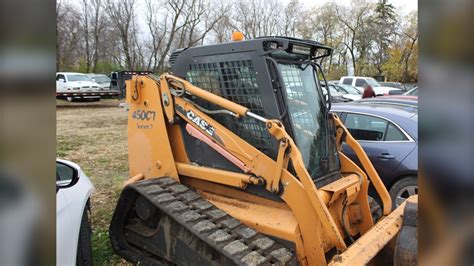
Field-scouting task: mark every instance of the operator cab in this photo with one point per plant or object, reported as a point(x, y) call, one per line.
point(276, 78)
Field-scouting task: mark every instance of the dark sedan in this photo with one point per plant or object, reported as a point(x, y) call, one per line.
point(389, 136)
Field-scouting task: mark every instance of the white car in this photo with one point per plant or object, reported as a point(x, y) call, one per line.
point(360, 82)
point(73, 231)
point(76, 85)
point(348, 92)
point(102, 80)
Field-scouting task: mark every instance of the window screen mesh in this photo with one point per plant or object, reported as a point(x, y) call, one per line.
point(237, 82)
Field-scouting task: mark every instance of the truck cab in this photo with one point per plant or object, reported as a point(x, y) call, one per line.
point(360, 82)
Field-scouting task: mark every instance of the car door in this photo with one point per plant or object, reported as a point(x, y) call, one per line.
point(64, 218)
point(60, 83)
point(383, 142)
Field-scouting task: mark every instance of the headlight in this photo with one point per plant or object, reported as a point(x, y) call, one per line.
point(301, 49)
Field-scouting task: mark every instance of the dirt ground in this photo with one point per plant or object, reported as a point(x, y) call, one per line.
point(94, 135)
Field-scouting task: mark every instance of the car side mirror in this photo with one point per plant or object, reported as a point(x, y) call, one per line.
point(66, 175)
point(61, 80)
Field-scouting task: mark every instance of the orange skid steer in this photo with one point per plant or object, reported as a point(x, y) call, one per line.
point(235, 158)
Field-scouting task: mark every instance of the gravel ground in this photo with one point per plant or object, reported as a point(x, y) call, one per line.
point(94, 135)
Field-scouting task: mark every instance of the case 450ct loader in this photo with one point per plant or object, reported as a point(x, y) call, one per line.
point(235, 159)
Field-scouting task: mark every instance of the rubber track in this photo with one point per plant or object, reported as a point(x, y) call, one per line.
point(239, 243)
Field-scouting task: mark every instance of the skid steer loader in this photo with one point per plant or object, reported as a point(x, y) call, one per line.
point(235, 159)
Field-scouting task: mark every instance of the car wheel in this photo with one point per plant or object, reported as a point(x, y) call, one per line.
point(403, 189)
point(84, 246)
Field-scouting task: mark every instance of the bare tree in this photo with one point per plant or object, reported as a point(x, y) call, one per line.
point(157, 30)
point(98, 27)
point(69, 32)
point(175, 10)
point(352, 20)
point(325, 27)
point(201, 17)
point(292, 18)
point(223, 29)
point(122, 14)
point(100, 35)
point(410, 32)
point(257, 18)
point(85, 25)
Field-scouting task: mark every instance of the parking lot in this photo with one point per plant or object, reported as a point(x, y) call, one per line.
point(94, 135)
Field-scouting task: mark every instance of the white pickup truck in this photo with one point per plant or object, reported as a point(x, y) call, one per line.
point(77, 86)
point(360, 82)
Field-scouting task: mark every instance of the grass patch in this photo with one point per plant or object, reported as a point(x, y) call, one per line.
point(96, 139)
point(102, 251)
point(64, 146)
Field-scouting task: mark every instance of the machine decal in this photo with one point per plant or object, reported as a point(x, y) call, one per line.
point(144, 115)
point(144, 126)
point(203, 124)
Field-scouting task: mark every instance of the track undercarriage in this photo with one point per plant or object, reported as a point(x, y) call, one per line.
point(160, 221)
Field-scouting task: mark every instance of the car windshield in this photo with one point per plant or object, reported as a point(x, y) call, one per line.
point(333, 90)
point(78, 78)
point(372, 82)
point(307, 110)
point(412, 92)
point(349, 89)
point(101, 79)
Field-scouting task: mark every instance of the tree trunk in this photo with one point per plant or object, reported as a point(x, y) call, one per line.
point(86, 35)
